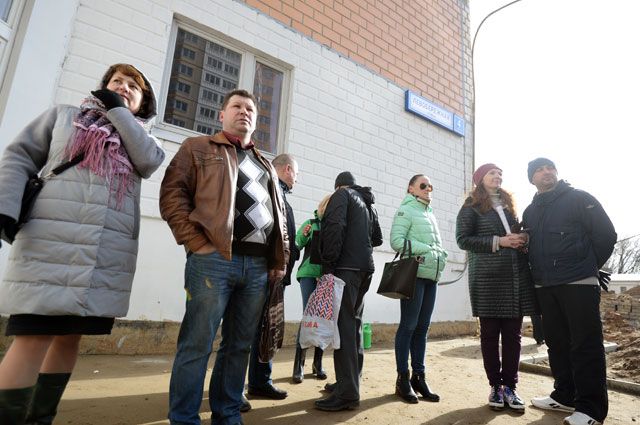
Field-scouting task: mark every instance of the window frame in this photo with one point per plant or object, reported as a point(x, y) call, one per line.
point(246, 78)
point(8, 30)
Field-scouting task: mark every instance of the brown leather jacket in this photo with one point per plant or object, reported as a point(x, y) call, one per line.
point(197, 198)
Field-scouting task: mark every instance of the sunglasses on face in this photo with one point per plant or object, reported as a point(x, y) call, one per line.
point(424, 186)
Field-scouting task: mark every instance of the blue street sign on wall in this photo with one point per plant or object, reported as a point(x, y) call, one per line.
point(428, 110)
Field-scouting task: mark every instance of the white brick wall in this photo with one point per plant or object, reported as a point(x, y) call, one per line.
point(342, 116)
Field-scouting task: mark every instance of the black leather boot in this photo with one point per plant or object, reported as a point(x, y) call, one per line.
point(14, 404)
point(298, 365)
point(404, 390)
point(245, 406)
point(46, 397)
point(317, 364)
point(420, 386)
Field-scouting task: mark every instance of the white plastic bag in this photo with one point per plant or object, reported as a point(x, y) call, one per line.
point(319, 326)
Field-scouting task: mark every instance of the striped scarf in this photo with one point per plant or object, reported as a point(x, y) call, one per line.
point(104, 153)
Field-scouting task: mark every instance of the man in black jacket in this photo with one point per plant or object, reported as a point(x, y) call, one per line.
point(350, 230)
point(260, 382)
point(570, 238)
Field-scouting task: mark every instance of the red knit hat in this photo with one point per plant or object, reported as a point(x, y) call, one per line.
point(482, 171)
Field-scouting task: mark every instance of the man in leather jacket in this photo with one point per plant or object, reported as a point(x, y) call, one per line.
point(350, 230)
point(570, 239)
point(221, 199)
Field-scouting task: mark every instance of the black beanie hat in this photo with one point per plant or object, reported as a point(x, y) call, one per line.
point(537, 163)
point(345, 178)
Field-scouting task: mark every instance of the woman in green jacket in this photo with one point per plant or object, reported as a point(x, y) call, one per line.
point(414, 221)
point(307, 274)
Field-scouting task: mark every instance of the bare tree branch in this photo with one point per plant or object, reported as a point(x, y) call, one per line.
point(626, 256)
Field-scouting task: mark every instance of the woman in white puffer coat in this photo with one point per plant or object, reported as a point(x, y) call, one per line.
point(71, 266)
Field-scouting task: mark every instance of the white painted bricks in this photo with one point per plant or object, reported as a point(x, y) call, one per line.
point(342, 116)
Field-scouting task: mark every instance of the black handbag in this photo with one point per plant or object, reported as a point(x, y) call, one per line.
point(31, 190)
point(399, 276)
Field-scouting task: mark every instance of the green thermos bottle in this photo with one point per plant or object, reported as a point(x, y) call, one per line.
point(367, 332)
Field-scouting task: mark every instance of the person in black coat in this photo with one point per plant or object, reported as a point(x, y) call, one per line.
point(570, 239)
point(260, 382)
point(500, 285)
point(350, 230)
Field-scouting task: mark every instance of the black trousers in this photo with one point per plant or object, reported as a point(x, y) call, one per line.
point(573, 332)
point(348, 360)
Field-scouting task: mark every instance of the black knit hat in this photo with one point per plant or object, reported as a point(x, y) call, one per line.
point(537, 163)
point(345, 178)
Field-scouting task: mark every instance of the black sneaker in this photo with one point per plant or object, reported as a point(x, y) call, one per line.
point(245, 406)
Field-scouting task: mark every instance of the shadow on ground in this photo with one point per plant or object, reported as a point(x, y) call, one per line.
point(303, 412)
point(482, 415)
point(472, 351)
point(146, 408)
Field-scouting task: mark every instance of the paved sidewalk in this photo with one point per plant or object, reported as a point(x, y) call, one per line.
point(127, 390)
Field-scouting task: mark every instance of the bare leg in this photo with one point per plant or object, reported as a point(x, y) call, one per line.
point(62, 354)
point(21, 365)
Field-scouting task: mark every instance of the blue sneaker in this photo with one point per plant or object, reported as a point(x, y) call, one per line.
point(512, 399)
point(496, 398)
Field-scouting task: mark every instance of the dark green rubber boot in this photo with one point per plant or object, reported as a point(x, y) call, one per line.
point(47, 395)
point(14, 404)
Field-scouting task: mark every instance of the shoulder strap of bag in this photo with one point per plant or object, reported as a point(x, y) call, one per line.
point(66, 165)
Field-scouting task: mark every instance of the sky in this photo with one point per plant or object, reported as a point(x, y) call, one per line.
point(561, 79)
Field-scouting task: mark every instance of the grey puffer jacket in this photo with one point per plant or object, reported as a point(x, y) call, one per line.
point(77, 253)
point(500, 284)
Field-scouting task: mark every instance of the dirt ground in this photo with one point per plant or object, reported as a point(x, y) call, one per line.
point(127, 390)
point(624, 363)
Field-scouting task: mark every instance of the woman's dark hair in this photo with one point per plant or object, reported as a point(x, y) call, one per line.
point(479, 198)
point(131, 71)
point(413, 180)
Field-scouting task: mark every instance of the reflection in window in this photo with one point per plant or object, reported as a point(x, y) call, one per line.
point(207, 113)
point(5, 8)
point(186, 88)
point(210, 78)
point(267, 87)
point(204, 65)
point(188, 53)
point(186, 70)
point(204, 129)
point(228, 85)
point(204, 71)
point(214, 63)
point(181, 105)
point(210, 96)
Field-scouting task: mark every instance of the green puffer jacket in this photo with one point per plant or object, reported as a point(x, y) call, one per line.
point(307, 269)
point(415, 221)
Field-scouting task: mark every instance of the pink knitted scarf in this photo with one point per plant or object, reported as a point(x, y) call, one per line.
point(104, 153)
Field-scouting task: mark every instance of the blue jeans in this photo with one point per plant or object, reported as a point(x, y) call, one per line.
point(307, 286)
point(415, 318)
point(216, 288)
